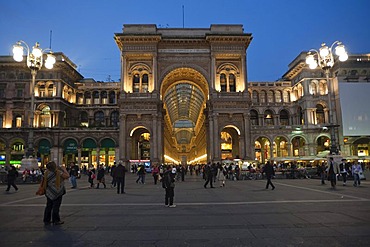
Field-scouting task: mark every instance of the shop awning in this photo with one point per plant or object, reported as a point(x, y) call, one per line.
point(70, 146)
point(44, 146)
point(107, 143)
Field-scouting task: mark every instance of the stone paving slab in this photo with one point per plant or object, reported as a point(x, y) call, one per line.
point(299, 212)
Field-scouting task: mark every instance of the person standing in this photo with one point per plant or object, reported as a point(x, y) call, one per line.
point(155, 173)
point(119, 176)
point(356, 170)
point(141, 174)
point(101, 177)
point(321, 172)
point(168, 184)
point(333, 170)
point(268, 169)
point(114, 182)
point(73, 174)
point(12, 176)
point(221, 175)
point(91, 176)
point(53, 183)
point(344, 168)
point(208, 175)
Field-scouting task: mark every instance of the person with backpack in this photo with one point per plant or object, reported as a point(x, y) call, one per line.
point(168, 183)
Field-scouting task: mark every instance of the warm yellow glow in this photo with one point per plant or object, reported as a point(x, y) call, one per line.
point(166, 157)
point(200, 158)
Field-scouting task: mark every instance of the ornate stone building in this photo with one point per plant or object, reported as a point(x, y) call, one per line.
point(183, 97)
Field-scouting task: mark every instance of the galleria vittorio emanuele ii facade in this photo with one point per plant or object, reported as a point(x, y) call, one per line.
point(184, 97)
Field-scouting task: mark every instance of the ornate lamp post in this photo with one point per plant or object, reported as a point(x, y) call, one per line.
point(35, 60)
point(325, 59)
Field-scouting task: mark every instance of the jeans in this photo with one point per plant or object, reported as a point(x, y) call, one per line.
point(356, 179)
point(73, 181)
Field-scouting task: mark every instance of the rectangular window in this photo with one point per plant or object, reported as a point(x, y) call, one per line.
point(19, 93)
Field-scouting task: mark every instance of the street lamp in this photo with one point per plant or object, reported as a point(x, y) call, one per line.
point(325, 59)
point(35, 60)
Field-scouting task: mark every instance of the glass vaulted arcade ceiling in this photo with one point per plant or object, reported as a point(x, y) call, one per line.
point(184, 102)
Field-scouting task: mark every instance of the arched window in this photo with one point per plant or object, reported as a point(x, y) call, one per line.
point(51, 90)
point(112, 97)
point(269, 118)
point(45, 119)
point(88, 98)
point(18, 121)
point(99, 118)
point(232, 83)
point(278, 96)
point(284, 117)
point(263, 96)
point(84, 119)
point(42, 92)
point(80, 98)
point(286, 96)
point(136, 83)
point(300, 115)
point(96, 96)
point(223, 83)
point(323, 87)
point(114, 118)
point(320, 115)
point(104, 97)
point(270, 96)
point(255, 98)
point(254, 117)
point(145, 83)
point(313, 87)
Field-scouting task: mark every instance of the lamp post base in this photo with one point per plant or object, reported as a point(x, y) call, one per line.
point(29, 163)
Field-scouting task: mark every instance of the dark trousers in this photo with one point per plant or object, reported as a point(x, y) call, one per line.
point(120, 185)
point(114, 182)
point(333, 179)
point(344, 176)
point(155, 177)
point(11, 182)
point(52, 210)
point(170, 193)
point(210, 181)
point(269, 182)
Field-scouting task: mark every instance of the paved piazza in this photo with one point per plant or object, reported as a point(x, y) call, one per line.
point(299, 212)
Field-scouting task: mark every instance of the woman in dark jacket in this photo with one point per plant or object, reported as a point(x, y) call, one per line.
point(101, 177)
point(269, 171)
point(12, 176)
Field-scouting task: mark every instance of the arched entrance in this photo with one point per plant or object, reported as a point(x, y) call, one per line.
point(184, 92)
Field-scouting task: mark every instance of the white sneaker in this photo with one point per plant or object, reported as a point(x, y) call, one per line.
point(172, 206)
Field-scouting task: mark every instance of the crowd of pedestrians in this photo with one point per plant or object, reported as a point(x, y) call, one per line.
point(167, 175)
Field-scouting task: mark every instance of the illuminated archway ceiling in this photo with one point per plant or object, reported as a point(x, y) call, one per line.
point(184, 103)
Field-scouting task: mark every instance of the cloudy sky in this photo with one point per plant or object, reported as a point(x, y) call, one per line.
point(281, 29)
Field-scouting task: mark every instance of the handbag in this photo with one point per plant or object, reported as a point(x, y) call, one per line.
point(361, 175)
point(41, 191)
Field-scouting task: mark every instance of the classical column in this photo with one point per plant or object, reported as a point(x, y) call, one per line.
point(79, 152)
point(216, 138)
point(155, 143)
point(97, 156)
point(122, 138)
point(247, 142)
point(210, 139)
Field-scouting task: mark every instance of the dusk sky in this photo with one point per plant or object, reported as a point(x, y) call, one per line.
point(83, 30)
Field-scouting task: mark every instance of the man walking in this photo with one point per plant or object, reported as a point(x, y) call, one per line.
point(344, 169)
point(73, 174)
point(333, 170)
point(209, 175)
point(119, 176)
point(269, 171)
